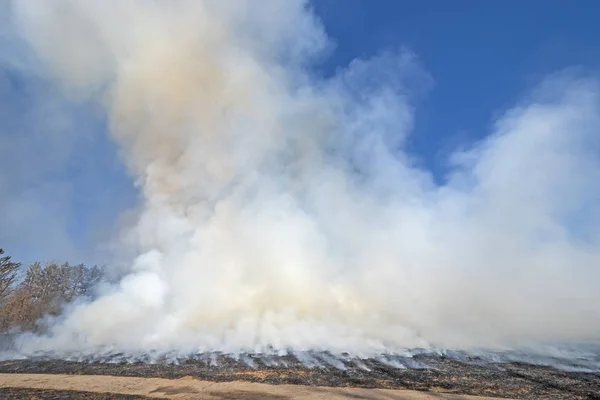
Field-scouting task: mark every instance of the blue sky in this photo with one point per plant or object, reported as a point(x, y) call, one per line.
point(482, 56)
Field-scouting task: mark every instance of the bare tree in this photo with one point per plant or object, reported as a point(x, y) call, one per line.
point(45, 289)
point(60, 283)
point(8, 274)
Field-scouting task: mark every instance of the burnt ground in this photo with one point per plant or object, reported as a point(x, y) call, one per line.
point(471, 375)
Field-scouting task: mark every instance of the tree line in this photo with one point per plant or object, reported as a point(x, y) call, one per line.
point(27, 294)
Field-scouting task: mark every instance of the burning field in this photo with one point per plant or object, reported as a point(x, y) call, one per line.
point(317, 375)
point(284, 231)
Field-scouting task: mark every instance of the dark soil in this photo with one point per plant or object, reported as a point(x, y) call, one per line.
point(427, 373)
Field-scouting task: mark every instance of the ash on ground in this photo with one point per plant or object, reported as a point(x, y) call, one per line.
point(459, 373)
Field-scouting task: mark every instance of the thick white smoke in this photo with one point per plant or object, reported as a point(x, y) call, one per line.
point(280, 211)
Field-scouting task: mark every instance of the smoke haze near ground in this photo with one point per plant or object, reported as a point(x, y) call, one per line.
point(279, 210)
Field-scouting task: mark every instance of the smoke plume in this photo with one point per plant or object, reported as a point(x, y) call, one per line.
point(280, 210)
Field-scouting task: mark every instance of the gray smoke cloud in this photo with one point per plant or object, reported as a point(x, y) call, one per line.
point(279, 210)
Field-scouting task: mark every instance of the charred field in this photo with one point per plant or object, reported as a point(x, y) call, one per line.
point(457, 373)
